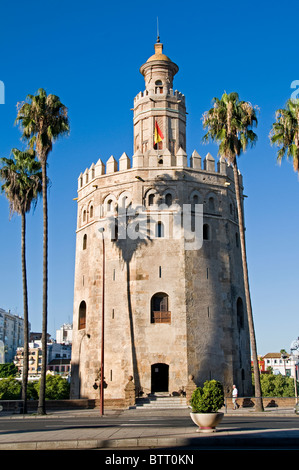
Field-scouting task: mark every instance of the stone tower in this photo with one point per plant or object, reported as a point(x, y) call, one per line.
point(173, 282)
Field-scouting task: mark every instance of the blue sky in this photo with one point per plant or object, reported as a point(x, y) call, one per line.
point(89, 54)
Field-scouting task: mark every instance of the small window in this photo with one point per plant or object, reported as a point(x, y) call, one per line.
point(159, 308)
point(211, 204)
point(85, 242)
point(206, 232)
point(109, 205)
point(151, 199)
point(159, 86)
point(84, 216)
point(91, 212)
point(82, 315)
point(159, 230)
point(195, 199)
point(168, 199)
point(240, 313)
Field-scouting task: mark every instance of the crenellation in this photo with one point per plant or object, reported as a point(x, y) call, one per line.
point(168, 93)
point(86, 176)
point(99, 168)
point(195, 160)
point(222, 166)
point(111, 165)
point(138, 159)
point(209, 163)
point(124, 162)
point(181, 158)
point(157, 159)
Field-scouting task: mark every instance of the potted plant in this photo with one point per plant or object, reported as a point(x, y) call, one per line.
point(205, 403)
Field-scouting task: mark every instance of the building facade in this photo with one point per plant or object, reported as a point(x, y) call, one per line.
point(11, 334)
point(64, 334)
point(284, 364)
point(58, 358)
point(168, 262)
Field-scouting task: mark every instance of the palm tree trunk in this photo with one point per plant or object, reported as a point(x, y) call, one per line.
point(25, 303)
point(258, 390)
point(42, 391)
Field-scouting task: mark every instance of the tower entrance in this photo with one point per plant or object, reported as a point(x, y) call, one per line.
point(159, 377)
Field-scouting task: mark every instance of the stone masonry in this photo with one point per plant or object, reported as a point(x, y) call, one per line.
point(173, 308)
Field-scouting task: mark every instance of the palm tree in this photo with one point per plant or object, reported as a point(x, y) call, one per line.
point(229, 123)
point(22, 185)
point(285, 132)
point(43, 119)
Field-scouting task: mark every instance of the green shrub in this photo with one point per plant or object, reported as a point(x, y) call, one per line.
point(209, 398)
point(277, 385)
point(10, 389)
point(57, 388)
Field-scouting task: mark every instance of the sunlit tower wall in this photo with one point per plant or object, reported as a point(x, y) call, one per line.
point(172, 308)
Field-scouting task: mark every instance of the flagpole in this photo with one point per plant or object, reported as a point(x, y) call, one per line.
point(158, 37)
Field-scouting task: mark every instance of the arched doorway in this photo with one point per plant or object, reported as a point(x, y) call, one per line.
point(159, 377)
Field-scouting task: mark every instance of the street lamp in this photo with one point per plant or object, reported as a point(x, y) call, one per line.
point(101, 230)
point(295, 374)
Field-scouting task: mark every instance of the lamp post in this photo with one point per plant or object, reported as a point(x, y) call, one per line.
point(293, 356)
point(101, 230)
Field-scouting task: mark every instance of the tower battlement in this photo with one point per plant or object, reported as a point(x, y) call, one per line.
point(155, 159)
point(168, 93)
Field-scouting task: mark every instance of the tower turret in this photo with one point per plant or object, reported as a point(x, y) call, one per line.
point(159, 111)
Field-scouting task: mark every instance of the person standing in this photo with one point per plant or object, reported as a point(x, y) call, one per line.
point(235, 396)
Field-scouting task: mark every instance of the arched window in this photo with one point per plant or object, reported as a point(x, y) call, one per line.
point(82, 315)
point(84, 215)
point(151, 199)
point(85, 242)
point(240, 313)
point(159, 86)
point(160, 308)
point(168, 199)
point(211, 204)
point(195, 199)
point(109, 205)
point(160, 230)
point(206, 232)
point(91, 212)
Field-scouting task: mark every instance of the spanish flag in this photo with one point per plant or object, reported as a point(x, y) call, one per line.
point(158, 134)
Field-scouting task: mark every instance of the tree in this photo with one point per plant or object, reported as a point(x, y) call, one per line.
point(277, 385)
point(22, 185)
point(57, 388)
point(285, 132)
point(230, 123)
point(43, 119)
point(8, 370)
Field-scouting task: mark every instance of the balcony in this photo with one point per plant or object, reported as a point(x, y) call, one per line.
point(161, 317)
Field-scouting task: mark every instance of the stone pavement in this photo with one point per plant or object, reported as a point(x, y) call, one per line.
point(134, 435)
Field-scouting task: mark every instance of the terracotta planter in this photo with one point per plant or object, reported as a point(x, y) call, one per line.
point(206, 422)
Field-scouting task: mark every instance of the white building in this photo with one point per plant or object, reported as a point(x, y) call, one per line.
point(281, 364)
point(11, 333)
point(65, 334)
